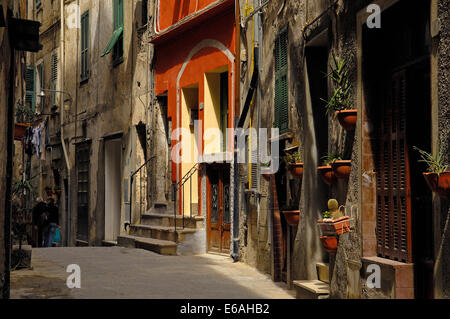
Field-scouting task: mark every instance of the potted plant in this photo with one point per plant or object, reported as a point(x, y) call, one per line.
point(295, 163)
point(330, 243)
point(341, 99)
point(21, 187)
point(342, 168)
point(326, 171)
point(333, 222)
point(24, 116)
point(291, 214)
point(437, 176)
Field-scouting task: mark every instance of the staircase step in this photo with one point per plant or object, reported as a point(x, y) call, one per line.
point(162, 247)
point(311, 289)
point(323, 272)
point(167, 220)
point(161, 232)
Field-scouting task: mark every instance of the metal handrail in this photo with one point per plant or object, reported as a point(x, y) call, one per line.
point(180, 185)
point(132, 175)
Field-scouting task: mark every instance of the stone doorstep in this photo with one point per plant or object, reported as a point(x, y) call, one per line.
point(163, 247)
point(323, 272)
point(311, 289)
point(161, 232)
point(168, 220)
point(109, 243)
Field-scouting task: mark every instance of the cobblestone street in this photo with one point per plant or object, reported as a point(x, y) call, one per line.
point(115, 272)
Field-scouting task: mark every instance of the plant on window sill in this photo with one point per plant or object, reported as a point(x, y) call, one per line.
point(340, 101)
point(437, 175)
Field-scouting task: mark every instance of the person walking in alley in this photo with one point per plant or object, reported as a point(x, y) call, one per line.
point(52, 222)
point(40, 215)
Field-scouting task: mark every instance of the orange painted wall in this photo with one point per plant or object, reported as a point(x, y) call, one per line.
point(172, 11)
point(171, 55)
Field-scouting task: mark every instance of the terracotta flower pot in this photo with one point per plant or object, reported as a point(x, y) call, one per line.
point(296, 169)
point(292, 216)
point(335, 227)
point(439, 184)
point(347, 118)
point(19, 130)
point(342, 169)
point(266, 176)
point(327, 174)
point(329, 243)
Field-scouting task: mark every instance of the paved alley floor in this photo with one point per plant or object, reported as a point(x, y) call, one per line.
point(116, 272)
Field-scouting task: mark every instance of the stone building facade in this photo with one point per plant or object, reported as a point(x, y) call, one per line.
point(92, 86)
point(405, 61)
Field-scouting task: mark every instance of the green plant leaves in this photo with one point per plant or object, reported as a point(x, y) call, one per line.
point(435, 164)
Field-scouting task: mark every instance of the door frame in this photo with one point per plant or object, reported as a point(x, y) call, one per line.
point(222, 167)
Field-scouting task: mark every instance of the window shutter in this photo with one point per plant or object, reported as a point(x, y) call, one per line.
point(85, 46)
point(281, 109)
point(54, 79)
point(30, 90)
point(393, 182)
point(254, 163)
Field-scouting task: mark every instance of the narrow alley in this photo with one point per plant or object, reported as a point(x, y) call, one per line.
point(106, 274)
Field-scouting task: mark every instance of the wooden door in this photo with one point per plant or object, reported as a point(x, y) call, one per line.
point(218, 199)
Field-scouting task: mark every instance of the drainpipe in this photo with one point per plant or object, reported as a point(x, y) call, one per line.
point(66, 157)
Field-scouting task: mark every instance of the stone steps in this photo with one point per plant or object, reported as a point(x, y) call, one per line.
point(163, 247)
point(161, 232)
point(158, 219)
point(311, 289)
point(314, 289)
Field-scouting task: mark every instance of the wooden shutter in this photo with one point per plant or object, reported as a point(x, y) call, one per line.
point(54, 79)
point(30, 90)
point(85, 46)
point(254, 162)
point(281, 111)
point(118, 22)
point(393, 176)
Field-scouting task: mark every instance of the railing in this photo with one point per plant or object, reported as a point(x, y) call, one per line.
point(143, 189)
point(180, 186)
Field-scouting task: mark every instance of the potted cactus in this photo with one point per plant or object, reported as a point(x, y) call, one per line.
point(341, 99)
point(295, 163)
point(333, 222)
point(437, 175)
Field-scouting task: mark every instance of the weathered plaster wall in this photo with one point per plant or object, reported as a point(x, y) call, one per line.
point(442, 207)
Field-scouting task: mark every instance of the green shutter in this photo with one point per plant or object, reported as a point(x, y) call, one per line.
point(281, 105)
point(112, 42)
point(116, 41)
point(30, 88)
point(85, 46)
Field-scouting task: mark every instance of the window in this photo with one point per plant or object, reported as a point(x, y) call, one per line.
point(281, 83)
point(85, 46)
point(40, 84)
point(144, 12)
point(30, 94)
point(115, 44)
point(54, 80)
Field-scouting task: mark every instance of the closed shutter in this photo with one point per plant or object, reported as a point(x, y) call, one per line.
point(254, 162)
point(54, 79)
point(85, 46)
point(30, 90)
point(393, 176)
point(281, 111)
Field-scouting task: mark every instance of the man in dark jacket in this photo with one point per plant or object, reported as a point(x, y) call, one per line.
point(52, 222)
point(39, 221)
